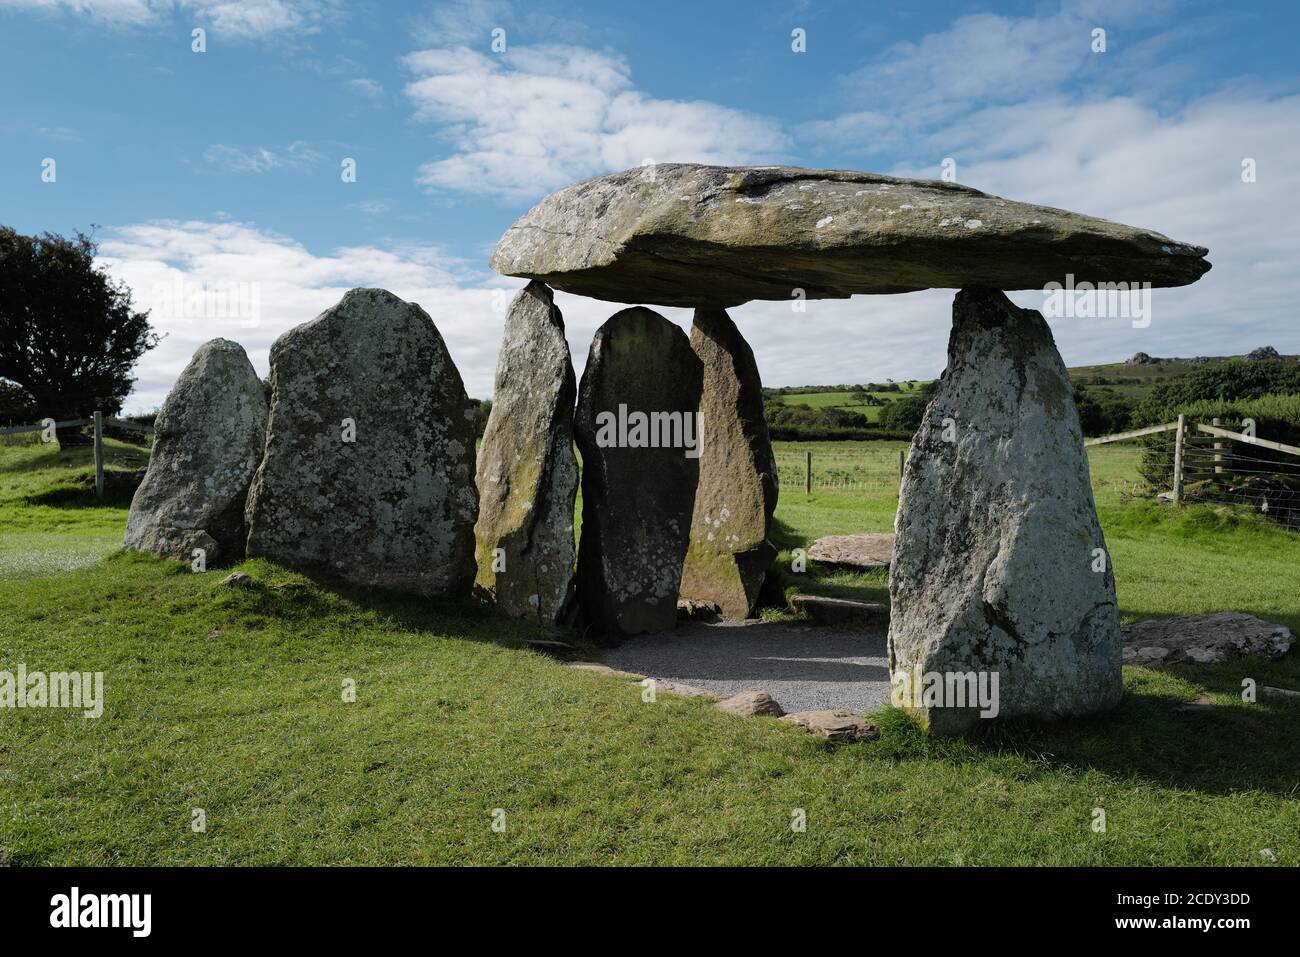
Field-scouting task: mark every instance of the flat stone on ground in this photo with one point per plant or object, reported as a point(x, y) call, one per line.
point(843, 611)
point(751, 704)
point(836, 724)
point(676, 234)
point(860, 550)
point(1204, 639)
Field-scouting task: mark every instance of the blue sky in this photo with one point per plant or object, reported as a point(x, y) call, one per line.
point(223, 167)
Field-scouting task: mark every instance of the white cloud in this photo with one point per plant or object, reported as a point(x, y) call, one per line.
point(288, 284)
point(260, 159)
point(530, 120)
point(367, 87)
point(243, 19)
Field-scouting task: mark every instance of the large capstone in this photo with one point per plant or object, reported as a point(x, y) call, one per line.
point(687, 235)
point(999, 564)
point(369, 468)
point(527, 471)
point(729, 550)
point(637, 430)
point(208, 440)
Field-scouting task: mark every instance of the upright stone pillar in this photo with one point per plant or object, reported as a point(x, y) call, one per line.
point(637, 429)
point(368, 475)
point(730, 551)
point(208, 441)
point(999, 565)
point(527, 471)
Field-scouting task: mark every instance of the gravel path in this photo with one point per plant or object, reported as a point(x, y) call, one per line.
point(802, 666)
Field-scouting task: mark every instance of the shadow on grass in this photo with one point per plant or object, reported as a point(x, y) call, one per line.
point(305, 596)
point(1229, 748)
point(78, 491)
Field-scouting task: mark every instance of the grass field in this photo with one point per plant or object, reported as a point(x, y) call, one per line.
point(846, 400)
point(229, 701)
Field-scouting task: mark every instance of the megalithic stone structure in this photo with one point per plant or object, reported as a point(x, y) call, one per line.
point(730, 550)
point(637, 430)
point(1000, 568)
point(527, 471)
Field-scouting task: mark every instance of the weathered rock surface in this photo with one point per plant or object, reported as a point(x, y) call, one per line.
point(1204, 639)
point(527, 471)
point(996, 530)
point(751, 704)
point(871, 615)
point(637, 497)
point(394, 507)
point(688, 235)
point(208, 441)
point(730, 551)
point(860, 550)
point(836, 724)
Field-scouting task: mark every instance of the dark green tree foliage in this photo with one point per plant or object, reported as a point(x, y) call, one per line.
point(1231, 380)
point(69, 335)
point(1102, 412)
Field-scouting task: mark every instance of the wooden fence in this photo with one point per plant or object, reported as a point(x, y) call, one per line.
point(98, 421)
point(1205, 453)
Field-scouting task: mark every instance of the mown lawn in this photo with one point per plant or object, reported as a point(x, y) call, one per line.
point(230, 701)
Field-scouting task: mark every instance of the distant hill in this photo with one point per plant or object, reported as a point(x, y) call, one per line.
point(1135, 375)
point(1111, 391)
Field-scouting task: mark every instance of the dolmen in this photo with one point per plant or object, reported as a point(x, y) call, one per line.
point(1000, 581)
point(361, 466)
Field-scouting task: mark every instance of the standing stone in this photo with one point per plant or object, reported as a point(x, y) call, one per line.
point(527, 472)
point(369, 468)
point(993, 565)
point(208, 439)
point(637, 430)
point(736, 496)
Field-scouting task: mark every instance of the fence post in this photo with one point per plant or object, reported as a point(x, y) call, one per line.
point(1218, 451)
point(1178, 459)
point(807, 473)
point(902, 458)
point(99, 455)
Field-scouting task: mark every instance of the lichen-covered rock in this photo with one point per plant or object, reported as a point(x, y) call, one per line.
point(369, 469)
point(678, 234)
point(208, 440)
point(730, 551)
point(996, 568)
point(1204, 639)
point(636, 427)
point(527, 471)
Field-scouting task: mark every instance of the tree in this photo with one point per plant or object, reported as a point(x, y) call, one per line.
point(68, 334)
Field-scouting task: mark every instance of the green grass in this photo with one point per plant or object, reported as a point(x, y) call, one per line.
point(846, 401)
point(230, 700)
